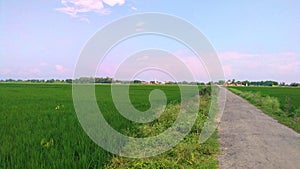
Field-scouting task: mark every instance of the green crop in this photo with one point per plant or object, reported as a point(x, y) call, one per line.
point(40, 129)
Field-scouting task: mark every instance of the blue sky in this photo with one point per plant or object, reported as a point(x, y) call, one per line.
point(255, 40)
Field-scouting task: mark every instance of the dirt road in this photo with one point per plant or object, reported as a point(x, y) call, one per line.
point(251, 139)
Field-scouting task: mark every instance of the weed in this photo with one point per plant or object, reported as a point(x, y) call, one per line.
point(189, 153)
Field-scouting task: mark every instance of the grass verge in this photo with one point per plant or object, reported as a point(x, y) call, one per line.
point(189, 153)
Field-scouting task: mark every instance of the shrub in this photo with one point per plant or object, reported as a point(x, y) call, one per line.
point(205, 91)
point(296, 113)
point(271, 104)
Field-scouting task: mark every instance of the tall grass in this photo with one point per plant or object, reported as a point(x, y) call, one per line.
point(189, 153)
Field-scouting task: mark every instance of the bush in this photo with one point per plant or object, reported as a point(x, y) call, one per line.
point(296, 113)
point(205, 91)
point(270, 104)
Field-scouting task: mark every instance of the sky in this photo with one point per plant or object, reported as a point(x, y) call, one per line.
point(254, 40)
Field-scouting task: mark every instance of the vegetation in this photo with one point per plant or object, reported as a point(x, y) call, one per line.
point(288, 97)
point(39, 129)
point(252, 83)
point(102, 80)
point(234, 82)
point(295, 84)
point(187, 154)
point(281, 103)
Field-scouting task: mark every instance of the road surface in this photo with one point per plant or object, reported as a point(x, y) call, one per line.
point(251, 139)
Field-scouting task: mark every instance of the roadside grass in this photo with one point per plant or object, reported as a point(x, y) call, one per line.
point(189, 153)
point(271, 106)
point(288, 97)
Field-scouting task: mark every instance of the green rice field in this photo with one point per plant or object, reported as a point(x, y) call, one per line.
point(40, 129)
point(284, 94)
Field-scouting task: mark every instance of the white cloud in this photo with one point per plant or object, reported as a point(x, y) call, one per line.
point(43, 64)
point(134, 8)
point(76, 7)
point(139, 26)
point(34, 71)
point(283, 66)
point(5, 71)
point(227, 70)
point(60, 69)
point(254, 66)
point(114, 2)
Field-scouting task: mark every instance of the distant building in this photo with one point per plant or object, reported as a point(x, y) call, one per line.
point(234, 84)
point(144, 82)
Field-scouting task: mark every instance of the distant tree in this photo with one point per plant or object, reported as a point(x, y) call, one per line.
point(50, 81)
point(98, 80)
point(101, 80)
point(193, 83)
point(84, 80)
point(137, 81)
point(269, 83)
point(233, 81)
point(294, 84)
point(57, 81)
point(201, 83)
point(245, 82)
point(118, 81)
point(33, 80)
point(10, 80)
point(210, 83)
point(69, 80)
point(263, 83)
point(170, 82)
point(282, 84)
point(108, 80)
point(221, 82)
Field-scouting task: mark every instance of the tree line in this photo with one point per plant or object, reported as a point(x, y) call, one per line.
point(79, 80)
point(260, 83)
point(111, 80)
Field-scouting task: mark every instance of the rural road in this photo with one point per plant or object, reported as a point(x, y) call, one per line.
point(251, 139)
